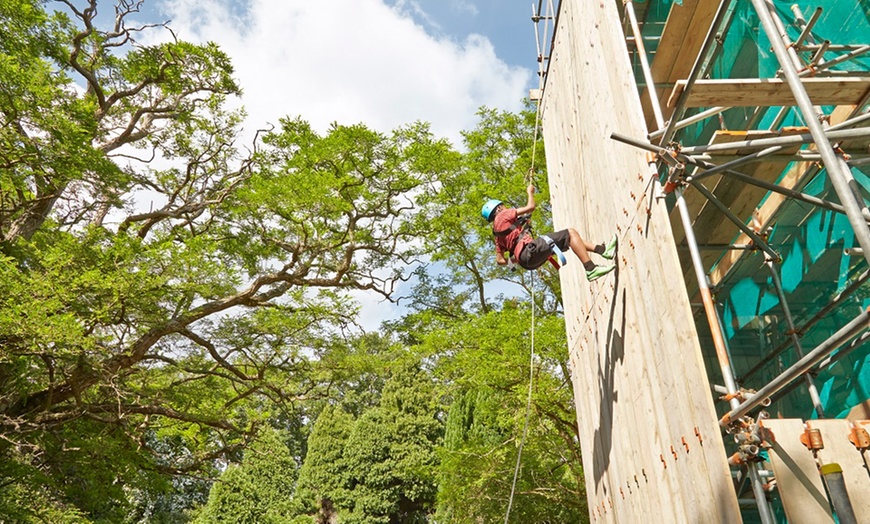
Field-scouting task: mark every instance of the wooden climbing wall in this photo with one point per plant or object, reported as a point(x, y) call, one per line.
point(651, 444)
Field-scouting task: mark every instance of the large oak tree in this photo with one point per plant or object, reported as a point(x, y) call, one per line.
point(163, 289)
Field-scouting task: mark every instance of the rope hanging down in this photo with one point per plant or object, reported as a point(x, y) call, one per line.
point(531, 174)
point(529, 180)
point(528, 403)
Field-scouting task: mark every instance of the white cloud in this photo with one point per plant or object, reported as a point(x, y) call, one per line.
point(465, 7)
point(351, 61)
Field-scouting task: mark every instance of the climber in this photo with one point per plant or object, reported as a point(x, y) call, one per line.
point(510, 227)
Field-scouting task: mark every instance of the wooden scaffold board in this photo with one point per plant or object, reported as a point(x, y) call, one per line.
point(769, 92)
point(797, 474)
point(838, 449)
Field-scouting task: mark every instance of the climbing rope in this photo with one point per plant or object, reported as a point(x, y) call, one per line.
point(532, 344)
point(531, 174)
point(528, 402)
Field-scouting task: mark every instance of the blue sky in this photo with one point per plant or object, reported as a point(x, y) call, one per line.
point(506, 23)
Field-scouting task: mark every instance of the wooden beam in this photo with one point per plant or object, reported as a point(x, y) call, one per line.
point(767, 92)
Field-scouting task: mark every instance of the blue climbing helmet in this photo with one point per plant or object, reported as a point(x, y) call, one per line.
point(488, 208)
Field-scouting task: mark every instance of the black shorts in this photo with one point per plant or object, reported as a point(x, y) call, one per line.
point(536, 252)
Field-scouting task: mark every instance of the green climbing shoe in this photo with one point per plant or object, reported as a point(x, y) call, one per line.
point(598, 272)
point(610, 249)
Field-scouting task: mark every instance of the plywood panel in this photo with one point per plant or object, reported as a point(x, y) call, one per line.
point(838, 449)
point(648, 430)
point(797, 475)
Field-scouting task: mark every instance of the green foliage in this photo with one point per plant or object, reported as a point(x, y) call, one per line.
point(488, 366)
point(144, 344)
point(324, 479)
point(390, 454)
point(257, 490)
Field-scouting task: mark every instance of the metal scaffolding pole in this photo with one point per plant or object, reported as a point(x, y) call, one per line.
point(797, 195)
point(760, 497)
point(802, 155)
point(805, 26)
point(855, 120)
point(644, 64)
point(795, 337)
point(707, 298)
point(703, 115)
point(756, 239)
point(800, 367)
point(839, 60)
point(694, 160)
point(754, 157)
point(832, 359)
point(790, 140)
point(838, 178)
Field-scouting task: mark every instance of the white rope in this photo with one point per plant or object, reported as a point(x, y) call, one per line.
point(534, 142)
point(528, 402)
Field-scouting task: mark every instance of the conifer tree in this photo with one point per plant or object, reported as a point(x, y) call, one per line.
point(257, 490)
point(391, 456)
point(323, 479)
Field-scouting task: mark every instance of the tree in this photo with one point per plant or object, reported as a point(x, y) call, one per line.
point(390, 454)
point(485, 362)
point(324, 478)
point(141, 342)
point(496, 165)
point(259, 489)
point(479, 346)
point(58, 142)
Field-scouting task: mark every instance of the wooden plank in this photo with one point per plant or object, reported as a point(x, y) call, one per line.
point(860, 413)
point(865, 425)
point(838, 449)
point(767, 92)
point(797, 475)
